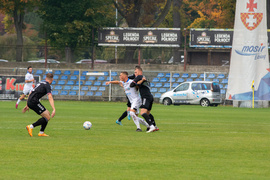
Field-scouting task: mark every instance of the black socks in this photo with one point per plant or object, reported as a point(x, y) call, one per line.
point(43, 122)
point(123, 116)
point(152, 119)
point(147, 118)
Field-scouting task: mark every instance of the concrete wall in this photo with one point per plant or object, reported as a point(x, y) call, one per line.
point(105, 67)
point(215, 57)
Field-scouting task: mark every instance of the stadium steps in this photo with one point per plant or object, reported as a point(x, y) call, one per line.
point(163, 80)
point(66, 83)
point(159, 82)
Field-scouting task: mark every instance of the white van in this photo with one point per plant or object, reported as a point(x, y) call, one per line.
point(205, 93)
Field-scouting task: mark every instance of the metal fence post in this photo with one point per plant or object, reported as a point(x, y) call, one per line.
point(110, 87)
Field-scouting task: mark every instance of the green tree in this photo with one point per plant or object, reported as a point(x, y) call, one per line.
point(2, 26)
point(10, 53)
point(17, 9)
point(228, 14)
point(34, 19)
point(8, 23)
point(69, 23)
point(140, 13)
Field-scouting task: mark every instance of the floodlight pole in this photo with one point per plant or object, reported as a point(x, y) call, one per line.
point(93, 48)
point(79, 97)
point(252, 87)
point(45, 53)
point(110, 86)
point(139, 56)
point(185, 50)
point(116, 24)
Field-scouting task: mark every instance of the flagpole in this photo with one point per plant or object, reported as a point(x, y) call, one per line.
point(252, 87)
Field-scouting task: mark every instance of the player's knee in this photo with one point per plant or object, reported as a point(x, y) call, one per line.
point(143, 111)
point(47, 117)
point(46, 114)
point(132, 114)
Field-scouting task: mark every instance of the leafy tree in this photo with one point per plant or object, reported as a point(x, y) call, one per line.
point(69, 23)
point(210, 13)
point(140, 13)
point(10, 53)
point(17, 9)
point(207, 12)
point(2, 26)
point(8, 23)
point(177, 24)
point(33, 19)
point(228, 14)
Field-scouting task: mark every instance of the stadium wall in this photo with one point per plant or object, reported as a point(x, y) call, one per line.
point(104, 67)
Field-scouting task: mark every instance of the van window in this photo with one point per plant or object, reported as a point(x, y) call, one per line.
point(182, 87)
point(201, 86)
point(216, 87)
point(196, 86)
point(206, 86)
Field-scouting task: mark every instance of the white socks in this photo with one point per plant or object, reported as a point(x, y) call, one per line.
point(18, 101)
point(135, 119)
point(143, 122)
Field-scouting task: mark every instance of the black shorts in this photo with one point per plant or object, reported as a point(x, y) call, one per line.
point(128, 104)
point(147, 103)
point(37, 107)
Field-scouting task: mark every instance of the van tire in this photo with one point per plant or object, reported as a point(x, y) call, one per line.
point(167, 101)
point(204, 102)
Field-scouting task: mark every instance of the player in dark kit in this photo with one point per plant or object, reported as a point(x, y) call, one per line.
point(41, 89)
point(147, 98)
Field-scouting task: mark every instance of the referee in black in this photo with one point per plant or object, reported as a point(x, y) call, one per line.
point(147, 98)
point(41, 89)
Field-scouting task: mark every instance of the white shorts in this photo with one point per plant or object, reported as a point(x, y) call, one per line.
point(136, 106)
point(26, 91)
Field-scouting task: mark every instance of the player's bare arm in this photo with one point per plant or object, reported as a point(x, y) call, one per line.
point(52, 104)
point(114, 82)
point(26, 108)
point(141, 81)
point(28, 81)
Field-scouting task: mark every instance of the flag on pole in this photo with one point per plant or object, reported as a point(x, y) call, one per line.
point(249, 56)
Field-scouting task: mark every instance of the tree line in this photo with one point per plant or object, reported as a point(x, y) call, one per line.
point(74, 23)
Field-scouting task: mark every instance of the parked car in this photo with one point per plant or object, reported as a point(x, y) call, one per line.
point(204, 93)
point(3, 60)
point(43, 61)
point(89, 61)
point(171, 60)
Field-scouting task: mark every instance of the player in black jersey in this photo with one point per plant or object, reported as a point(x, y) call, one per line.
point(147, 98)
point(41, 89)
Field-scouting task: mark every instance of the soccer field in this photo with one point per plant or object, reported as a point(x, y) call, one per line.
point(193, 143)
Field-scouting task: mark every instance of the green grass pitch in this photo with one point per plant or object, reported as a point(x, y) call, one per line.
point(193, 143)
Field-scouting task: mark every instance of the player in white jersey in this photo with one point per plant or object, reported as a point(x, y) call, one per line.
point(28, 86)
point(133, 97)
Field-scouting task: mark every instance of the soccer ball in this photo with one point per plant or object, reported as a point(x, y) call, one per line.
point(87, 125)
